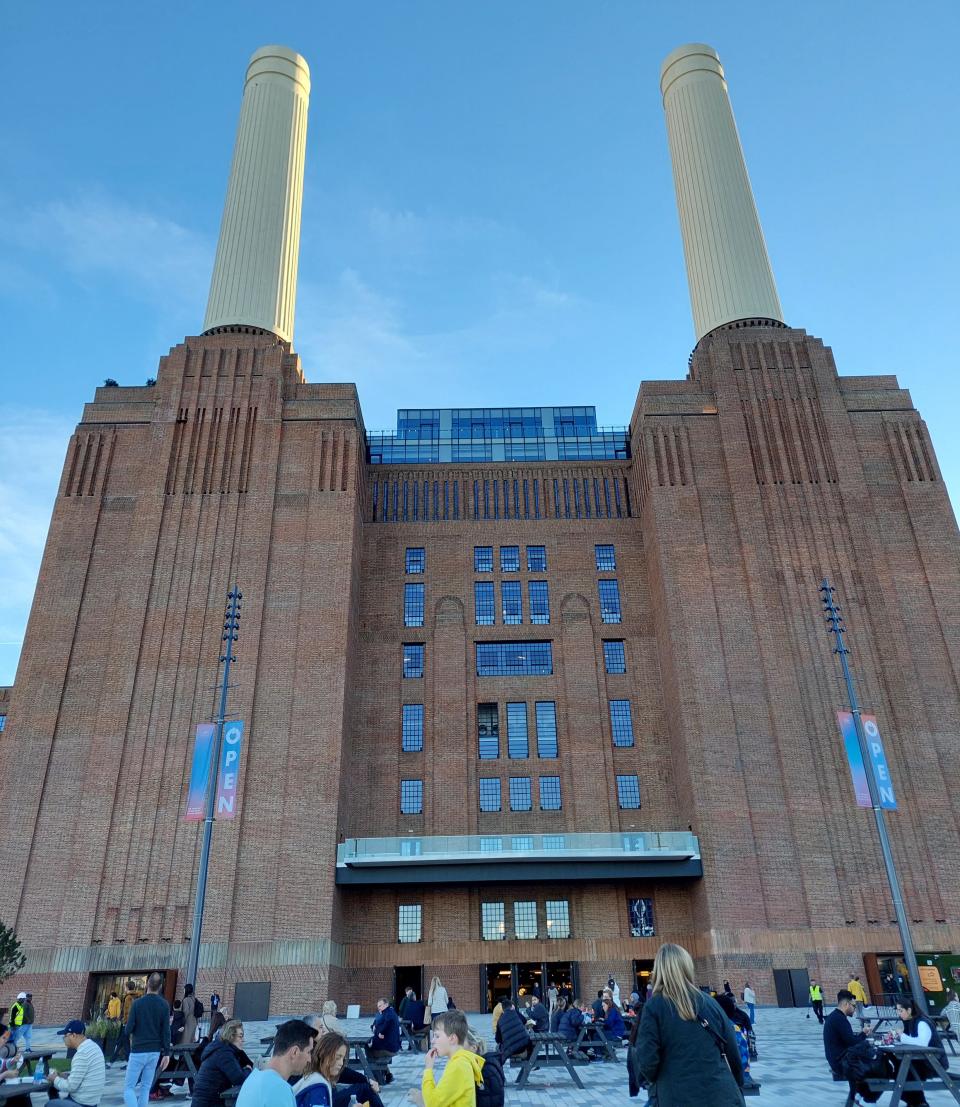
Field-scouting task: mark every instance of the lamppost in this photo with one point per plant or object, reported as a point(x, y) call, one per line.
point(835, 627)
point(231, 628)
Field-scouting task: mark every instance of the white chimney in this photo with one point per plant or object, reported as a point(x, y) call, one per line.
point(727, 265)
point(254, 281)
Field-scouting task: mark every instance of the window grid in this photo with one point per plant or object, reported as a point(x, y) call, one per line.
point(489, 793)
point(509, 559)
point(520, 795)
point(511, 596)
point(606, 559)
point(514, 659)
point(488, 731)
point(491, 845)
point(409, 922)
point(558, 918)
point(609, 601)
point(483, 559)
point(550, 793)
point(492, 919)
point(413, 605)
point(536, 559)
point(539, 595)
point(412, 728)
point(546, 712)
point(483, 603)
point(641, 918)
point(628, 792)
point(521, 842)
point(621, 723)
point(525, 918)
point(411, 797)
point(412, 660)
point(518, 742)
point(554, 841)
point(416, 559)
point(614, 657)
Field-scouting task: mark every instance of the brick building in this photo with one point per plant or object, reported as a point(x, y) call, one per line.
point(523, 698)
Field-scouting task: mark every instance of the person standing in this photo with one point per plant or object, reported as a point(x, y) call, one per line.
point(83, 1084)
point(750, 999)
point(17, 1012)
point(685, 1044)
point(29, 1015)
point(552, 996)
point(816, 1000)
point(192, 1010)
point(123, 1042)
point(113, 1007)
point(437, 998)
point(855, 988)
point(148, 1029)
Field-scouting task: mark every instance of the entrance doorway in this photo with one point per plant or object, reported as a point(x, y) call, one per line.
point(407, 976)
point(528, 977)
point(641, 978)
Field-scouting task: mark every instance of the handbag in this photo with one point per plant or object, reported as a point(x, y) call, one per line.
point(427, 1015)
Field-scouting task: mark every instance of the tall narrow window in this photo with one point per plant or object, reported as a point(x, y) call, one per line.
point(525, 918)
point(412, 740)
point(409, 922)
point(520, 796)
point(518, 744)
point(512, 603)
point(628, 791)
point(614, 657)
point(416, 559)
point(412, 660)
point(492, 922)
point(489, 793)
point(558, 918)
point(546, 728)
point(621, 723)
point(609, 601)
point(483, 603)
point(411, 797)
point(488, 731)
point(606, 559)
point(509, 559)
point(413, 605)
point(483, 559)
point(536, 558)
point(550, 793)
point(641, 918)
point(539, 601)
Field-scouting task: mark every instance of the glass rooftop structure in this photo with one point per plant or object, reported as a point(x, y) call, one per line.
point(497, 434)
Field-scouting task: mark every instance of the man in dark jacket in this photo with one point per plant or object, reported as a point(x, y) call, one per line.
point(386, 1036)
point(149, 1031)
point(539, 1016)
point(511, 1035)
point(839, 1037)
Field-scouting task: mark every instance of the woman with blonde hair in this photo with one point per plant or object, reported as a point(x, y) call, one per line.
point(329, 1023)
point(686, 1047)
point(437, 998)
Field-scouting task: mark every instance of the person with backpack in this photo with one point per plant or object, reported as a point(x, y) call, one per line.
point(463, 1073)
point(192, 1014)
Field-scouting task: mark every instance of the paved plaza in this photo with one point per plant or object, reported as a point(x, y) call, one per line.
point(791, 1069)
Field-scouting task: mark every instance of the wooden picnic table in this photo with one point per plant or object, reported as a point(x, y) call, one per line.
point(33, 1055)
point(591, 1036)
point(414, 1036)
point(10, 1089)
point(907, 1054)
point(183, 1063)
point(374, 1068)
point(549, 1049)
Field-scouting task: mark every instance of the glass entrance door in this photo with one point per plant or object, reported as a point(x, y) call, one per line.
point(498, 984)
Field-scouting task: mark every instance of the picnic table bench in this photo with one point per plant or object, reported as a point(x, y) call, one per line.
point(374, 1068)
point(414, 1036)
point(183, 1064)
point(548, 1049)
point(592, 1036)
point(902, 1082)
point(946, 1032)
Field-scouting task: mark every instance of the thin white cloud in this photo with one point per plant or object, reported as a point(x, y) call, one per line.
point(32, 448)
point(95, 235)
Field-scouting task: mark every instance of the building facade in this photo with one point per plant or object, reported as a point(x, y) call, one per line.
point(523, 697)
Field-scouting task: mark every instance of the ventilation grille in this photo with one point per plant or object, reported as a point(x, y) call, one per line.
point(211, 451)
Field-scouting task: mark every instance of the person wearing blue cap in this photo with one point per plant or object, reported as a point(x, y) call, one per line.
point(83, 1085)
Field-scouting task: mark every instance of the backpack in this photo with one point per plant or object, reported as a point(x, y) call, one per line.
point(491, 1092)
point(197, 1009)
point(860, 1061)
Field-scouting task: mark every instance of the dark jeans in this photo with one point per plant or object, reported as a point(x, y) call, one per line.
point(122, 1042)
point(817, 1005)
point(363, 1092)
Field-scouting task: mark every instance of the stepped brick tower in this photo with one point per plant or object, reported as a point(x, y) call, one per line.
point(523, 698)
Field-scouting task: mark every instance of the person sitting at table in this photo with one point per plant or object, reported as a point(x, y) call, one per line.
point(292, 1050)
point(843, 1048)
point(350, 1082)
point(84, 1083)
point(539, 1016)
point(559, 1006)
point(570, 1021)
point(385, 1042)
point(223, 1064)
point(951, 1012)
point(613, 1025)
point(598, 1005)
point(315, 1087)
point(10, 1061)
point(462, 1074)
point(918, 1030)
point(328, 1023)
point(512, 1037)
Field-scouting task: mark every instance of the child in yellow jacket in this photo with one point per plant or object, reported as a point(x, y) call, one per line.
point(458, 1085)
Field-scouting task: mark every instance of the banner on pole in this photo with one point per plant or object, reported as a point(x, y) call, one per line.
point(229, 769)
point(200, 773)
point(877, 756)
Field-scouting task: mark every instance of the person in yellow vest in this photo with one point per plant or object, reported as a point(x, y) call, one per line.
point(855, 988)
point(18, 1014)
point(816, 1000)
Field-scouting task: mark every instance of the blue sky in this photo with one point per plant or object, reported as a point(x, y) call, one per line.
point(488, 216)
